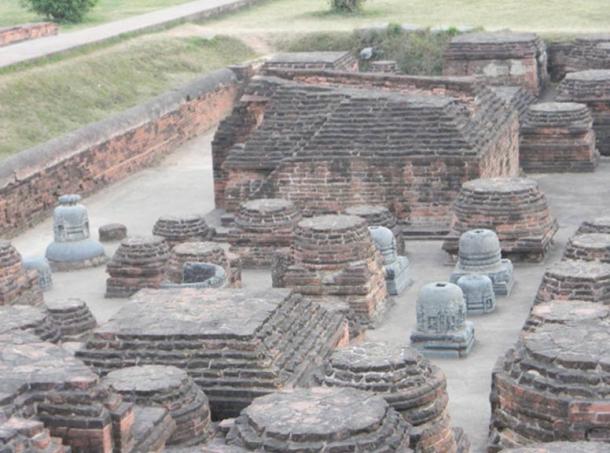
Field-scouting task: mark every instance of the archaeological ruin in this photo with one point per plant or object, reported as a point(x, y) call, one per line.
point(176, 230)
point(596, 225)
point(589, 247)
point(572, 279)
point(18, 285)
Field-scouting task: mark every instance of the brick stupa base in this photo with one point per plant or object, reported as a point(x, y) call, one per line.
point(380, 216)
point(178, 229)
point(597, 225)
point(589, 247)
point(563, 312)
point(575, 280)
point(17, 285)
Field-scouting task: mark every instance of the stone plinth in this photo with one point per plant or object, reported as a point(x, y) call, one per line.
point(261, 227)
point(442, 329)
point(478, 292)
point(171, 388)
point(408, 382)
point(43, 381)
point(73, 318)
point(342, 61)
point(380, 216)
point(72, 248)
point(178, 229)
point(235, 344)
point(43, 269)
point(597, 225)
point(30, 319)
point(575, 280)
point(17, 285)
point(396, 267)
point(515, 208)
point(561, 447)
point(138, 263)
point(479, 253)
point(552, 386)
point(203, 252)
point(593, 89)
point(112, 232)
point(320, 419)
point(589, 247)
point(333, 258)
point(558, 137)
point(502, 58)
point(564, 312)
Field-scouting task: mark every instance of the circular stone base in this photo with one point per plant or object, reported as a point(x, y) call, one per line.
point(320, 419)
point(597, 225)
point(69, 256)
point(73, 318)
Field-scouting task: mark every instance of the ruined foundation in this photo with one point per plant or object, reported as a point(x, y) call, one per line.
point(17, 285)
point(589, 247)
point(235, 344)
point(575, 280)
point(597, 225)
point(73, 318)
point(35, 320)
point(341, 61)
point(408, 382)
point(564, 312)
point(514, 208)
point(178, 229)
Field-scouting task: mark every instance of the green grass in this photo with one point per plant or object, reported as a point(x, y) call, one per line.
point(12, 12)
point(545, 16)
point(43, 102)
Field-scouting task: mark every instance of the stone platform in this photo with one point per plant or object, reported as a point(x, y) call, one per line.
point(564, 312)
point(235, 344)
point(515, 208)
point(72, 317)
point(343, 61)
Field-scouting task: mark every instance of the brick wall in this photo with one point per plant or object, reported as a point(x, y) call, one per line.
point(12, 35)
point(96, 155)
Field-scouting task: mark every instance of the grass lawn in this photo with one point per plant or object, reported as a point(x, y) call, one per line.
point(12, 13)
point(545, 16)
point(43, 102)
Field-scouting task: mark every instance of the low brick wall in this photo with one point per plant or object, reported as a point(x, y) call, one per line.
point(96, 155)
point(24, 32)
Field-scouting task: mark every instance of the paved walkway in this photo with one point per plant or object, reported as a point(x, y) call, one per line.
point(38, 48)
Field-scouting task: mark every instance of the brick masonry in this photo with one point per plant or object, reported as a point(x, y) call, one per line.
point(96, 155)
point(24, 32)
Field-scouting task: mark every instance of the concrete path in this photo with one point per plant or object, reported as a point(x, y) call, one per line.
point(183, 184)
point(39, 48)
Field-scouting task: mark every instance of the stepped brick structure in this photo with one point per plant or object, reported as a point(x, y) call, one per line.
point(593, 89)
point(341, 61)
point(43, 269)
point(515, 208)
point(44, 382)
point(584, 52)
point(408, 382)
point(479, 252)
point(261, 227)
point(35, 320)
point(558, 137)
point(72, 317)
point(19, 434)
point(17, 285)
point(577, 280)
point(515, 98)
point(138, 263)
point(561, 447)
point(552, 386)
point(203, 252)
point(333, 258)
point(380, 216)
point(502, 58)
point(597, 225)
point(235, 344)
point(178, 229)
point(442, 329)
point(589, 247)
point(330, 140)
point(564, 312)
point(112, 232)
point(171, 388)
point(320, 419)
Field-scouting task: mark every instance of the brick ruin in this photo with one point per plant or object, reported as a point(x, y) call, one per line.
point(235, 344)
point(596, 225)
point(589, 247)
point(412, 385)
point(515, 208)
point(260, 228)
point(561, 447)
point(320, 419)
point(563, 312)
point(203, 252)
point(333, 258)
point(72, 317)
point(552, 386)
point(44, 383)
point(340, 61)
point(580, 280)
point(24, 32)
point(170, 388)
point(331, 140)
point(389, 66)
point(17, 285)
point(178, 229)
point(138, 263)
point(35, 320)
point(593, 89)
point(558, 137)
point(501, 58)
point(380, 216)
point(579, 54)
